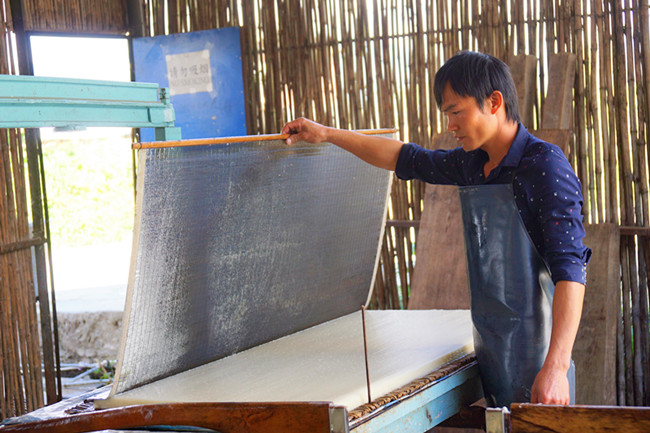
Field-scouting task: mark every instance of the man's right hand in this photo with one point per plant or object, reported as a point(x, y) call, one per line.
point(376, 150)
point(305, 130)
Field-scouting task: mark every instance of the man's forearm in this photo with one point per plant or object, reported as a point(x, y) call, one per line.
point(551, 385)
point(378, 151)
point(567, 310)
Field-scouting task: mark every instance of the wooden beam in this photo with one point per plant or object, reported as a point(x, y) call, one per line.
point(20, 245)
point(634, 231)
point(529, 418)
point(223, 417)
point(403, 223)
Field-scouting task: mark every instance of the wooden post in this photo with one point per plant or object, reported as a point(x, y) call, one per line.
point(558, 107)
point(440, 278)
point(524, 71)
point(595, 347)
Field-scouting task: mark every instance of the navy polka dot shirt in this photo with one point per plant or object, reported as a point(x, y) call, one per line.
point(547, 192)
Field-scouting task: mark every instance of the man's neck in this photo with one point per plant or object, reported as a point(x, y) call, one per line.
point(497, 148)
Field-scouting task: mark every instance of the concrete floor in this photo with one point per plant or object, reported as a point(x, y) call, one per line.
point(90, 288)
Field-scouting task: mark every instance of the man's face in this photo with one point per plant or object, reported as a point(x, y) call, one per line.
point(472, 125)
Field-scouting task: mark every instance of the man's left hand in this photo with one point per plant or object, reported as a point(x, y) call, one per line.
point(551, 386)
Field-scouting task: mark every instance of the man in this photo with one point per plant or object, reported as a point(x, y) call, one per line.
point(521, 204)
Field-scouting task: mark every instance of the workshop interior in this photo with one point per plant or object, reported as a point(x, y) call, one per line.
point(286, 288)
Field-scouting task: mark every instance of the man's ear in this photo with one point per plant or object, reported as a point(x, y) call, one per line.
point(496, 101)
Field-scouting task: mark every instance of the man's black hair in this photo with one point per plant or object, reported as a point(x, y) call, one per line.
point(477, 75)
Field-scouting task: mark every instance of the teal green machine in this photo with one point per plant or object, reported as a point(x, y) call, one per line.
point(34, 102)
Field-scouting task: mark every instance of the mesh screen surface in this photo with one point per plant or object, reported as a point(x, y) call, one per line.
point(242, 243)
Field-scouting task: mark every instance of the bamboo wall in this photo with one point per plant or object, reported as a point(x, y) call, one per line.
point(76, 16)
point(21, 381)
point(357, 64)
point(362, 64)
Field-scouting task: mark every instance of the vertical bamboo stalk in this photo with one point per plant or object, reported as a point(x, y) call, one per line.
point(594, 115)
point(645, 328)
point(579, 115)
point(640, 192)
point(14, 390)
point(644, 37)
point(615, 192)
point(620, 350)
point(627, 325)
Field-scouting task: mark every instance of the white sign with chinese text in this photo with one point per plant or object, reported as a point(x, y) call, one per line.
point(189, 72)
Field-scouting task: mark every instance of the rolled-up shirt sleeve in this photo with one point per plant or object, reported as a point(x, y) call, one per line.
point(554, 196)
point(443, 167)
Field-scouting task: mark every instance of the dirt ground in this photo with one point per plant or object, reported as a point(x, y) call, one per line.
point(89, 337)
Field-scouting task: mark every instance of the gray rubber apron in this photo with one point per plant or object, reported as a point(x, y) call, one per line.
point(511, 294)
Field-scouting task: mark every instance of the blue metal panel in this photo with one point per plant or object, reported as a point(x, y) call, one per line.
point(214, 105)
point(424, 410)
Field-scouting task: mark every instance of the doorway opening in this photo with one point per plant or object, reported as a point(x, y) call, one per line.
point(89, 181)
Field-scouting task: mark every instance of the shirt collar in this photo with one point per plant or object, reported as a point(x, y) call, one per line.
point(516, 151)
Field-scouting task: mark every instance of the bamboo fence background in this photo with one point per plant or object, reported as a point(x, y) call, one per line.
point(21, 381)
point(79, 16)
point(362, 64)
point(356, 64)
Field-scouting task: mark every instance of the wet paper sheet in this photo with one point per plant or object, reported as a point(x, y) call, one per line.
point(250, 264)
point(238, 244)
point(323, 363)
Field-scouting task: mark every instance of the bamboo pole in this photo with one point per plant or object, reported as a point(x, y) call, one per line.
point(242, 139)
point(639, 190)
point(27, 318)
point(644, 37)
point(627, 326)
point(594, 116)
point(579, 114)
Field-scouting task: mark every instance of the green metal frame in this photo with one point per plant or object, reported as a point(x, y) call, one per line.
point(428, 407)
point(34, 102)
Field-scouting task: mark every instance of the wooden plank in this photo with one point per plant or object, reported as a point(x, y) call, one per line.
point(558, 106)
point(528, 418)
point(524, 70)
point(223, 417)
point(440, 277)
point(595, 348)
